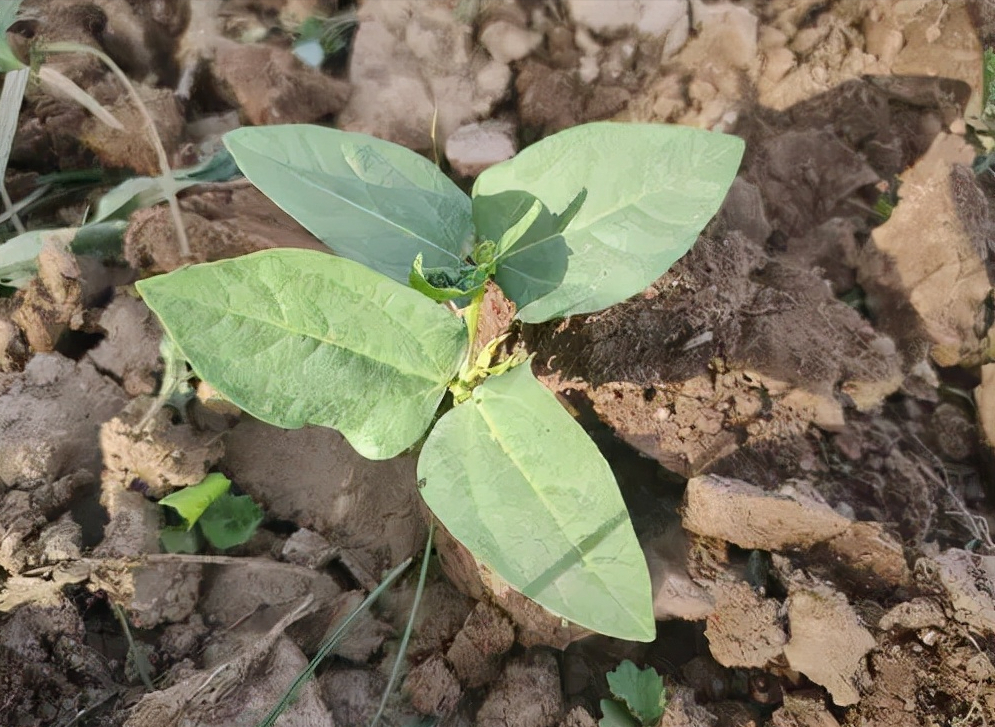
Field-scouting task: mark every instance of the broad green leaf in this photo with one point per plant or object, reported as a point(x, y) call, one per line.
point(651, 189)
point(299, 337)
point(516, 480)
point(641, 690)
point(191, 502)
point(230, 520)
point(369, 200)
point(615, 715)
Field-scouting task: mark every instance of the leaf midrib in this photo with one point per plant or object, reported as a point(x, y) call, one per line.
point(225, 311)
point(286, 166)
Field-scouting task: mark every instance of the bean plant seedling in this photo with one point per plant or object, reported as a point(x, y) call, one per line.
point(359, 341)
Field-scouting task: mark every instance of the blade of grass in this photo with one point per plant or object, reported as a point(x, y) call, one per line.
point(14, 84)
point(330, 644)
point(59, 85)
point(141, 661)
point(168, 182)
point(403, 648)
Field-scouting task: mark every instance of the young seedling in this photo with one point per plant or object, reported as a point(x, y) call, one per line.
point(640, 698)
point(209, 512)
point(359, 342)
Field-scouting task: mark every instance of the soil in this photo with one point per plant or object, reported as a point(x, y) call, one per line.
point(800, 413)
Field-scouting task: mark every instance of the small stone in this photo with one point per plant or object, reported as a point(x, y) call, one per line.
point(746, 515)
point(507, 42)
point(828, 642)
point(307, 548)
point(652, 17)
point(474, 147)
point(914, 615)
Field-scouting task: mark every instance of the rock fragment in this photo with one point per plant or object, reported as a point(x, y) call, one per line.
point(937, 288)
point(744, 629)
point(478, 647)
point(649, 17)
point(50, 418)
point(746, 515)
point(828, 642)
point(919, 613)
point(969, 582)
point(803, 710)
point(474, 147)
point(507, 41)
point(433, 688)
point(528, 694)
point(411, 59)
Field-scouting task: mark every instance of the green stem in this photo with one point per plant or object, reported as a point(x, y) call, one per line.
point(471, 314)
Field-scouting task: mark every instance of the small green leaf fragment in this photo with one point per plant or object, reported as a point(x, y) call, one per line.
point(230, 520)
point(988, 87)
point(518, 230)
point(443, 284)
point(191, 502)
point(8, 14)
point(178, 539)
point(615, 715)
point(641, 689)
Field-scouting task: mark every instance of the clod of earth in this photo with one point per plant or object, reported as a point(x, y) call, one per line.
point(828, 643)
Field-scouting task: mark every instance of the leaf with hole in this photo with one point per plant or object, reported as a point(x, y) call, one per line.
point(230, 520)
point(651, 189)
point(298, 337)
point(515, 479)
point(369, 200)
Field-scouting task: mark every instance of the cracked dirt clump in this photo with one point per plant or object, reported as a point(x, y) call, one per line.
point(154, 456)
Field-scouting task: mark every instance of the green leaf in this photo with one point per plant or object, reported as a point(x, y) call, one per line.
point(444, 284)
point(531, 252)
point(641, 690)
point(369, 200)
point(988, 86)
point(8, 14)
point(299, 337)
point(141, 192)
point(650, 190)
point(230, 520)
point(19, 255)
point(615, 715)
point(191, 502)
point(180, 540)
point(516, 480)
